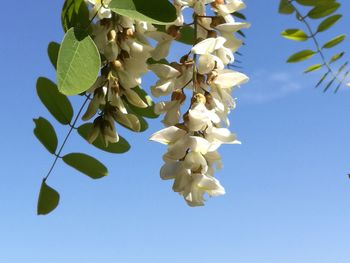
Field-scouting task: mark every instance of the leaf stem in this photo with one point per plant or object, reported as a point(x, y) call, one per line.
point(72, 127)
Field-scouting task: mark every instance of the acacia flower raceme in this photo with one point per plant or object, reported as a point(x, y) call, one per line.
point(194, 136)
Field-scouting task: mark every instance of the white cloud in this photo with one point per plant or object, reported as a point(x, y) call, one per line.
point(265, 86)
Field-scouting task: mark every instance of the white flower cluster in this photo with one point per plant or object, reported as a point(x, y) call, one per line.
point(193, 139)
point(125, 50)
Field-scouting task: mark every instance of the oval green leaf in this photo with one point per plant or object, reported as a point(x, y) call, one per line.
point(328, 23)
point(48, 200)
point(52, 51)
point(56, 103)
point(46, 134)
point(335, 41)
point(336, 57)
point(295, 34)
point(120, 147)
point(86, 165)
point(78, 63)
point(159, 12)
point(300, 56)
point(313, 68)
point(323, 10)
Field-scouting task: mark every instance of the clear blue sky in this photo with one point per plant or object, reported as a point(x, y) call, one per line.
point(288, 195)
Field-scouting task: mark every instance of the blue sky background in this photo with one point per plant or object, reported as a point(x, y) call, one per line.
point(288, 195)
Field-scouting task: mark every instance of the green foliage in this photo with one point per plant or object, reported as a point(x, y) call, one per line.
point(301, 56)
point(319, 9)
point(328, 23)
point(46, 134)
point(52, 51)
point(86, 165)
point(313, 68)
point(120, 147)
point(75, 13)
point(78, 62)
point(336, 57)
point(295, 34)
point(159, 12)
point(285, 8)
point(187, 35)
point(335, 41)
point(56, 103)
point(323, 9)
point(48, 199)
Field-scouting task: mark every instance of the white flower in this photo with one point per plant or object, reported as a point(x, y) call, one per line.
point(208, 45)
point(171, 109)
point(167, 77)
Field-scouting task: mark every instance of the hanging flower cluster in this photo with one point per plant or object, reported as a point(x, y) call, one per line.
point(194, 136)
point(125, 49)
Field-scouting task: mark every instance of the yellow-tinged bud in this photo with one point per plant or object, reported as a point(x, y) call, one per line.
point(112, 35)
point(117, 65)
point(198, 98)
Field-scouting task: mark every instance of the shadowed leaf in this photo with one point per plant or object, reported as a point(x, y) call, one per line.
point(120, 147)
point(46, 134)
point(86, 165)
point(48, 199)
point(56, 103)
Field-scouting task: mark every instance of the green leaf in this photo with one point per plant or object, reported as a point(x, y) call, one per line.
point(337, 57)
point(335, 41)
point(52, 51)
point(239, 15)
point(48, 199)
point(56, 103)
point(323, 10)
point(159, 12)
point(313, 68)
point(328, 23)
point(295, 34)
point(313, 2)
point(322, 79)
point(46, 134)
point(120, 147)
point(86, 165)
point(285, 7)
point(300, 56)
point(187, 35)
point(78, 63)
point(145, 112)
point(75, 13)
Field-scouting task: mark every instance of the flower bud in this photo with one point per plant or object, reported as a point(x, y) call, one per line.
point(112, 35)
point(117, 65)
point(178, 95)
point(198, 98)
